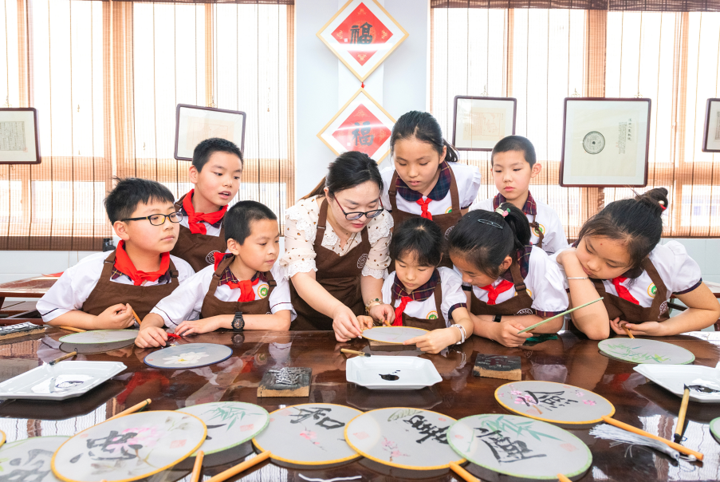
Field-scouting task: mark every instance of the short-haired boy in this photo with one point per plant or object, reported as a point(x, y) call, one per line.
point(215, 171)
point(243, 290)
point(103, 290)
point(513, 164)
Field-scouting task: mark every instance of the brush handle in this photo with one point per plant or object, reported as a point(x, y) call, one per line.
point(354, 352)
point(681, 415)
point(197, 468)
point(532, 327)
point(136, 317)
point(64, 357)
point(132, 409)
point(630, 428)
point(71, 328)
point(240, 467)
point(562, 478)
point(628, 332)
point(464, 474)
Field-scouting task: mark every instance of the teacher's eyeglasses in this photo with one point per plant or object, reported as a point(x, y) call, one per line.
point(355, 215)
point(159, 219)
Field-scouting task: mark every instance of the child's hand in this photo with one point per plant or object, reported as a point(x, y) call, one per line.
point(648, 328)
point(436, 340)
point(384, 313)
point(505, 333)
point(345, 324)
point(151, 336)
point(196, 327)
point(116, 317)
point(569, 254)
point(366, 322)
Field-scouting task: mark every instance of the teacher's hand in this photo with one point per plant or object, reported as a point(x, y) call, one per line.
point(345, 324)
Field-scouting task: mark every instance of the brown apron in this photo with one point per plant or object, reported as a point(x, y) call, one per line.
point(629, 311)
point(536, 230)
point(446, 221)
point(198, 249)
point(339, 275)
point(142, 298)
point(520, 304)
point(427, 324)
point(212, 306)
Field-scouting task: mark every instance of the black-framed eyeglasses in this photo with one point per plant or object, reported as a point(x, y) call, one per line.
point(159, 219)
point(355, 215)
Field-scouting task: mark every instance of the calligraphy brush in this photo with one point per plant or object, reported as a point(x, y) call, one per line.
point(681, 415)
point(354, 352)
point(638, 431)
point(136, 317)
point(562, 478)
point(628, 332)
point(64, 357)
point(608, 432)
point(133, 409)
point(532, 327)
point(72, 328)
point(195, 476)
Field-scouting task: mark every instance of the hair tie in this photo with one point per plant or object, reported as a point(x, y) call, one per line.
point(662, 205)
point(502, 212)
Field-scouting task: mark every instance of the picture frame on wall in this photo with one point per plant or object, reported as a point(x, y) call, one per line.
point(711, 136)
point(362, 34)
point(480, 122)
point(360, 125)
point(194, 124)
point(606, 142)
point(19, 142)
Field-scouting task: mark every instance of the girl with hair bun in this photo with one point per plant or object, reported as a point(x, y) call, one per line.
point(510, 284)
point(618, 257)
point(336, 249)
point(425, 179)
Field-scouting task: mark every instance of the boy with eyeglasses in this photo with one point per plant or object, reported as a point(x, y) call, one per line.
point(106, 290)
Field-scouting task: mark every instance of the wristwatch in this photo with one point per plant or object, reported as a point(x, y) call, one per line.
point(238, 324)
point(497, 318)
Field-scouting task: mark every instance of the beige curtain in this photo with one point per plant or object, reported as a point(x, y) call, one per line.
point(106, 77)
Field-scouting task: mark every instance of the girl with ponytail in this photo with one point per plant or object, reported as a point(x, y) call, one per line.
point(618, 257)
point(336, 250)
point(510, 284)
point(425, 179)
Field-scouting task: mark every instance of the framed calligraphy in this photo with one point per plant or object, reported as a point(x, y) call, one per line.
point(480, 122)
point(605, 142)
point(19, 142)
point(194, 124)
point(711, 136)
point(360, 125)
point(362, 34)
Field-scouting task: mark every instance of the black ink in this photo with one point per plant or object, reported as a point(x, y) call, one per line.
point(390, 377)
point(504, 449)
point(549, 400)
point(318, 413)
point(429, 430)
point(114, 439)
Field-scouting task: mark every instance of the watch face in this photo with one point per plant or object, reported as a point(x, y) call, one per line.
point(238, 339)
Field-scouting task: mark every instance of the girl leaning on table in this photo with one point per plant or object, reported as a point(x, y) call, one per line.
point(618, 257)
point(510, 284)
point(336, 249)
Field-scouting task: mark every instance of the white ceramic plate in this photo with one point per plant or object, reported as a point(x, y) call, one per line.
point(64, 380)
point(392, 372)
point(94, 337)
point(640, 350)
point(393, 334)
point(674, 377)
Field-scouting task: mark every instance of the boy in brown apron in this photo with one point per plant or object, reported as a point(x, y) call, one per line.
point(103, 290)
point(422, 294)
point(215, 171)
point(513, 166)
point(243, 290)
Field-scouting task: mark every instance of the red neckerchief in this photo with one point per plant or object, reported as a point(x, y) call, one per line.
point(124, 264)
point(246, 291)
point(424, 206)
point(399, 310)
point(622, 291)
point(195, 220)
point(493, 292)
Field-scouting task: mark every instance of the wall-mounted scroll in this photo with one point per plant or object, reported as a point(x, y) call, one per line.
point(360, 125)
point(480, 122)
point(194, 124)
point(605, 142)
point(711, 138)
point(362, 34)
point(19, 136)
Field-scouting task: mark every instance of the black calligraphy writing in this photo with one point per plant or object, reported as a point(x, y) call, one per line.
point(319, 414)
point(430, 431)
point(504, 449)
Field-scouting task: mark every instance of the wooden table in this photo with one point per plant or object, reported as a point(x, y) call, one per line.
point(567, 359)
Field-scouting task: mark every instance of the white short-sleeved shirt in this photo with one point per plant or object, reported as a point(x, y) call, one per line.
point(680, 273)
point(468, 179)
point(185, 303)
point(544, 282)
point(77, 282)
point(301, 228)
point(549, 221)
point(452, 295)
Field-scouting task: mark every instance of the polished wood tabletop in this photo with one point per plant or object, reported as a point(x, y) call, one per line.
point(566, 359)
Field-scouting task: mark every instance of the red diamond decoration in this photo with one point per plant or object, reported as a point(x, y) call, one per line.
point(362, 27)
point(362, 131)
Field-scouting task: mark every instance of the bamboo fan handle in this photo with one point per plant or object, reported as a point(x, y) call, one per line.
point(197, 468)
point(467, 476)
point(562, 478)
point(240, 467)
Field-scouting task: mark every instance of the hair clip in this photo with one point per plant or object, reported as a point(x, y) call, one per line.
point(662, 204)
point(491, 223)
point(502, 212)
